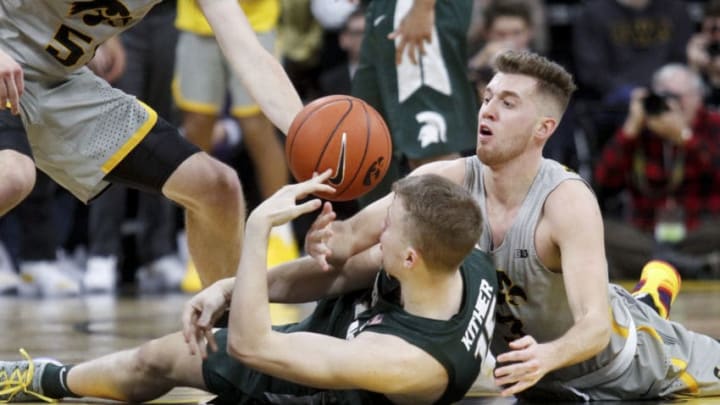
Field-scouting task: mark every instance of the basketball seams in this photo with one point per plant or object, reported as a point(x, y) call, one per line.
point(296, 131)
point(314, 150)
point(333, 132)
point(360, 166)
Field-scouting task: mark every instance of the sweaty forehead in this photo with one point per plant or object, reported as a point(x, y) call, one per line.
point(512, 83)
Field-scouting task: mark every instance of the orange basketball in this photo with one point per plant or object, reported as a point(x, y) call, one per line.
point(341, 133)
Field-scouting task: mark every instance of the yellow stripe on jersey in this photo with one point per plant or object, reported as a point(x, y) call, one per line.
point(650, 331)
point(134, 140)
point(262, 14)
point(685, 377)
point(617, 328)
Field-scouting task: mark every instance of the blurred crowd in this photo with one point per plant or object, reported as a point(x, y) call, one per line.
point(643, 128)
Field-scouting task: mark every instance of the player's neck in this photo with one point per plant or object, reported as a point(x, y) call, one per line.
point(508, 183)
point(436, 297)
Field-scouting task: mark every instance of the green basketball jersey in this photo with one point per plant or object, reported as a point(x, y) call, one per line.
point(459, 344)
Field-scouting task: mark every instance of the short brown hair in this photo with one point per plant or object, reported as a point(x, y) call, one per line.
point(443, 219)
point(552, 79)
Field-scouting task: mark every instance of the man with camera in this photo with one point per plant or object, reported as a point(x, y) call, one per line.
point(665, 158)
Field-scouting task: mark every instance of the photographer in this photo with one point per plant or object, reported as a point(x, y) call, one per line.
point(703, 52)
point(665, 159)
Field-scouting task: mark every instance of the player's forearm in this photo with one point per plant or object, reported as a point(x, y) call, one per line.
point(588, 337)
point(363, 230)
point(249, 323)
point(259, 71)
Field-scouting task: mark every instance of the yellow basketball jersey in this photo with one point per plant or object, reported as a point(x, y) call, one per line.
point(262, 14)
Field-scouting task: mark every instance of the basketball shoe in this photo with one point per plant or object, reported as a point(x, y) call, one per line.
point(20, 381)
point(45, 278)
point(101, 274)
point(658, 287)
point(161, 275)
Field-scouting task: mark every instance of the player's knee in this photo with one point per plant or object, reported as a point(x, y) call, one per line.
point(18, 174)
point(221, 188)
point(148, 361)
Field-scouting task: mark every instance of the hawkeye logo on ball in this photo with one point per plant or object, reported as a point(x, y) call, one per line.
point(339, 176)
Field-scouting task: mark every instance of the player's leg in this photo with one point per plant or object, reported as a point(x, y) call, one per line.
point(17, 169)
point(139, 374)
point(198, 128)
point(209, 191)
point(18, 173)
point(658, 286)
point(134, 375)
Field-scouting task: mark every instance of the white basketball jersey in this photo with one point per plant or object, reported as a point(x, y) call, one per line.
point(51, 38)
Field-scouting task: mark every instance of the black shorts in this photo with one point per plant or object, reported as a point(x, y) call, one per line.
point(12, 133)
point(148, 166)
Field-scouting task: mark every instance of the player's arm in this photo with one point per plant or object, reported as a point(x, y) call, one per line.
point(332, 242)
point(258, 70)
point(577, 229)
point(375, 362)
point(414, 30)
point(378, 363)
point(304, 280)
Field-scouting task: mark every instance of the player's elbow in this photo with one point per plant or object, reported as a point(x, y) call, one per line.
point(248, 350)
point(601, 334)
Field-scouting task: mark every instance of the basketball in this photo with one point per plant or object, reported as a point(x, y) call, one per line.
point(341, 133)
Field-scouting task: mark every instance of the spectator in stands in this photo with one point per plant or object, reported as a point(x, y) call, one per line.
point(507, 25)
point(618, 44)
point(703, 53)
point(666, 157)
point(338, 80)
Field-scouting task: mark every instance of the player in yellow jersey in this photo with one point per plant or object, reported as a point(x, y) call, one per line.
point(202, 82)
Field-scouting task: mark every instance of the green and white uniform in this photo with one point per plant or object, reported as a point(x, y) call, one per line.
point(431, 107)
point(459, 344)
point(78, 126)
point(647, 357)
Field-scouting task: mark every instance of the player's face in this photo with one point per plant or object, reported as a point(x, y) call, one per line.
point(513, 31)
point(393, 242)
point(507, 117)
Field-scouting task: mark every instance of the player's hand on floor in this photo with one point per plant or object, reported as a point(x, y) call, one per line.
point(521, 367)
point(200, 314)
point(12, 83)
point(282, 206)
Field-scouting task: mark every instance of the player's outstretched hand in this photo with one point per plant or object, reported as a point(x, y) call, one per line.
point(201, 312)
point(523, 366)
point(11, 83)
point(413, 31)
point(282, 206)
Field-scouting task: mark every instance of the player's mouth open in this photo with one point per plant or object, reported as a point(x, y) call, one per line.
point(485, 130)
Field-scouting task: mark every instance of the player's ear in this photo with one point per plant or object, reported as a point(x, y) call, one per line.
point(411, 257)
point(545, 127)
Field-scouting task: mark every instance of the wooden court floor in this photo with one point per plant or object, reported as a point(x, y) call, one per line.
point(76, 329)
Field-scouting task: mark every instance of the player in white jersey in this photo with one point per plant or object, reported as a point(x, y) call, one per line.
point(563, 332)
point(84, 133)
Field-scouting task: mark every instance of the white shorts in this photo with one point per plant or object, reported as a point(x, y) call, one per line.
point(203, 77)
point(81, 128)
